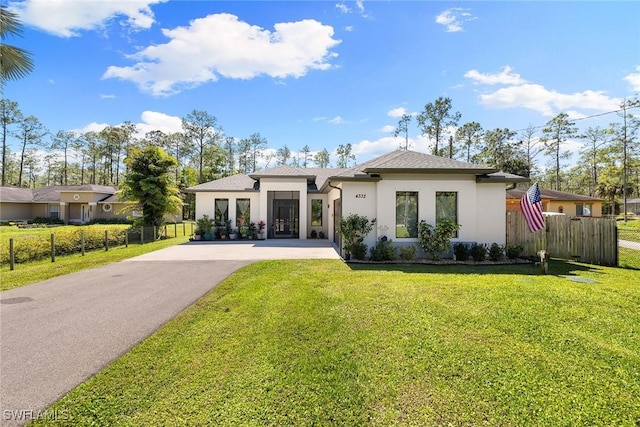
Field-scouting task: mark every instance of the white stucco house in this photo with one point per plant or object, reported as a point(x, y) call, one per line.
point(398, 189)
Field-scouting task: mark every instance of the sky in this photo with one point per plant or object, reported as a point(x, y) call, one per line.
point(325, 73)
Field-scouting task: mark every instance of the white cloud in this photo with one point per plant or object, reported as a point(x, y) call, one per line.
point(454, 18)
point(65, 18)
point(387, 129)
point(337, 120)
point(634, 79)
point(397, 112)
point(221, 45)
point(91, 127)
point(153, 120)
point(342, 7)
point(505, 77)
point(548, 102)
point(107, 96)
point(521, 93)
point(348, 28)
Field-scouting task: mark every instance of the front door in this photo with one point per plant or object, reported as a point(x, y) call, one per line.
point(85, 213)
point(285, 218)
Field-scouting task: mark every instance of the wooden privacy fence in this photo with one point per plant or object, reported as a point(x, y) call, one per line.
point(589, 240)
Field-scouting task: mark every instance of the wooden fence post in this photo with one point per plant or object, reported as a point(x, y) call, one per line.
point(126, 239)
point(12, 255)
point(106, 240)
point(142, 234)
point(175, 229)
point(53, 247)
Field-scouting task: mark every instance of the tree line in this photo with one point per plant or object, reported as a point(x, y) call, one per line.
point(608, 166)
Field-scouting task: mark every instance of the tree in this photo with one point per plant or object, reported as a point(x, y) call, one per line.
point(595, 138)
point(244, 156)
point(470, 135)
point(321, 159)
point(555, 133)
point(501, 153)
point(30, 134)
point(63, 141)
point(229, 147)
point(344, 153)
point(435, 118)
point(283, 155)
point(15, 62)
point(9, 114)
point(150, 184)
point(257, 144)
point(531, 145)
point(625, 143)
point(202, 130)
point(403, 128)
point(306, 155)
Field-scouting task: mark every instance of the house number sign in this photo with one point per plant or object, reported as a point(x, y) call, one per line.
point(361, 196)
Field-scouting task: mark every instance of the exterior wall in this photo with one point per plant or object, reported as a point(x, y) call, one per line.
point(205, 204)
point(332, 216)
point(15, 211)
point(113, 213)
point(82, 196)
point(489, 213)
point(481, 207)
point(569, 207)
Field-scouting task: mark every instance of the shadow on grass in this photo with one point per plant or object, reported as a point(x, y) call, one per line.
point(556, 268)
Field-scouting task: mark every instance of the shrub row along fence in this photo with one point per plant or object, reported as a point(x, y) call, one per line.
point(589, 240)
point(81, 239)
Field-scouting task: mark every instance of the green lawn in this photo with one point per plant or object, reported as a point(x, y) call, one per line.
point(318, 342)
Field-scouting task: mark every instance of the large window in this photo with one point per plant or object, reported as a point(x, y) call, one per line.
point(222, 210)
point(316, 212)
point(406, 214)
point(583, 210)
point(447, 206)
point(243, 212)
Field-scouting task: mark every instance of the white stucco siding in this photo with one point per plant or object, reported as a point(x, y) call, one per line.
point(362, 198)
point(491, 214)
point(325, 214)
point(205, 204)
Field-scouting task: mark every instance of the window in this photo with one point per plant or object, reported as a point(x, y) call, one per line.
point(583, 209)
point(406, 214)
point(316, 212)
point(447, 206)
point(54, 211)
point(243, 212)
point(222, 210)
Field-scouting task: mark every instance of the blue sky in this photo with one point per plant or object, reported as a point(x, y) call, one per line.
point(325, 73)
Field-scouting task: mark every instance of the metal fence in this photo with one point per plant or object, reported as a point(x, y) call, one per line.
point(629, 247)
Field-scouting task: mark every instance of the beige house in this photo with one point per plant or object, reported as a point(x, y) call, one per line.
point(398, 189)
point(73, 204)
point(570, 204)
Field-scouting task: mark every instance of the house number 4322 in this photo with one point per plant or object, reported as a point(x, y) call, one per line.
point(361, 196)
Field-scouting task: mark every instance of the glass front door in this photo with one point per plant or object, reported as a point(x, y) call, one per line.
point(285, 218)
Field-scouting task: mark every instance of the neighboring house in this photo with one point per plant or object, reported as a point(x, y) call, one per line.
point(633, 205)
point(73, 204)
point(398, 189)
point(569, 204)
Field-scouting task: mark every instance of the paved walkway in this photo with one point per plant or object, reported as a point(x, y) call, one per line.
point(629, 244)
point(56, 334)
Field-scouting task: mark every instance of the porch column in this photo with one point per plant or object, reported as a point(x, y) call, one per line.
point(62, 213)
point(264, 211)
point(303, 219)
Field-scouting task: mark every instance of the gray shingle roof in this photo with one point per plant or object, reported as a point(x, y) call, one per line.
point(49, 193)
point(239, 182)
point(401, 161)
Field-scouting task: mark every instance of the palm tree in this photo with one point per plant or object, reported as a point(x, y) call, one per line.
point(15, 62)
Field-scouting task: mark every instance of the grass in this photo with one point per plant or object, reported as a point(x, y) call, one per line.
point(317, 342)
point(28, 273)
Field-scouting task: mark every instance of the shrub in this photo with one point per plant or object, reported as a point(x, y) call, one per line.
point(461, 251)
point(359, 250)
point(354, 229)
point(383, 251)
point(495, 252)
point(478, 252)
point(434, 241)
point(514, 251)
point(314, 234)
point(111, 221)
point(407, 253)
point(43, 220)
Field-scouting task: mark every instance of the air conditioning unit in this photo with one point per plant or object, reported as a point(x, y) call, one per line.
point(106, 207)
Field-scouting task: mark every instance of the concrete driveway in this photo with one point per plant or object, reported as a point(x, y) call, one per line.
point(56, 334)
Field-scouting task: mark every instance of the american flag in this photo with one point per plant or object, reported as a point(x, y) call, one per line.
point(531, 205)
